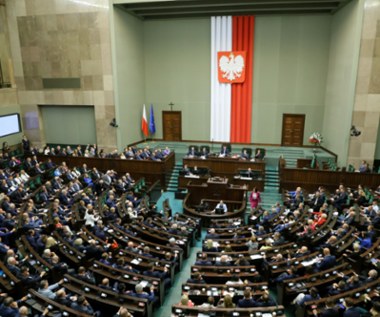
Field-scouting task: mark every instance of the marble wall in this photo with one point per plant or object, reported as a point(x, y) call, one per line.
point(5, 52)
point(62, 39)
point(366, 114)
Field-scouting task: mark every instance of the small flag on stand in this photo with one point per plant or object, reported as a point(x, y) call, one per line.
point(144, 123)
point(152, 125)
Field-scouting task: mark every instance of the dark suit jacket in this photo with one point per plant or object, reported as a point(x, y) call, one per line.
point(327, 262)
point(330, 312)
point(224, 151)
point(244, 302)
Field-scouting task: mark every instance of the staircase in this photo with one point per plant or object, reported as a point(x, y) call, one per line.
point(172, 178)
point(290, 156)
point(272, 184)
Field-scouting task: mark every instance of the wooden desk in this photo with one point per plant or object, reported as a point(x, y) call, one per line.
point(179, 310)
point(229, 167)
point(212, 191)
point(215, 190)
point(151, 170)
point(310, 179)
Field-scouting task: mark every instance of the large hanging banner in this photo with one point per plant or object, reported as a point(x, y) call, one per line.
point(231, 78)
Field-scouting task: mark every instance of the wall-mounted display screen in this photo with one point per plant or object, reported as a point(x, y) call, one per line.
point(10, 124)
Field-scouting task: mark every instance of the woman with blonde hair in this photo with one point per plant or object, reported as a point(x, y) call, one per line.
point(226, 302)
point(185, 301)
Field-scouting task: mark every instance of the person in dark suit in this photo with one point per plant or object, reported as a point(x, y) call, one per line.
point(212, 235)
point(198, 279)
point(203, 260)
point(259, 155)
point(331, 310)
point(224, 151)
point(19, 195)
point(4, 187)
point(247, 300)
point(37, 170)
point(12, 266)
point(161, 275)
point(328, 261)
point(245, 155)
point(139, 292)
point(340, 198)
point(9, 307)
point(317, 201)
point(204, 153)
point(266, 300)
point(62, 298)
point(25, 144)
point(192, 152)
point(29, 280)
point(352, 310)
point(83, 306)
point(28, 164)
point(64, 197)
point(14, 162)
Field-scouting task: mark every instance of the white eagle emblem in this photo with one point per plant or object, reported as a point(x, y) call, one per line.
point(231, 67)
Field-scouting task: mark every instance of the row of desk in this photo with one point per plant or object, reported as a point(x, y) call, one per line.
point(157, 170)
point(310, 179)
point(151, 170)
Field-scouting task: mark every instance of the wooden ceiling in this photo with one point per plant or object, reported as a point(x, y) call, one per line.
point(204, 8)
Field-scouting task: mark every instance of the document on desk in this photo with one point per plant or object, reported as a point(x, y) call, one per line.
point(246, 178)
point(310, 262)
point(256, 256)
point(203, 315)
point(144, 283)
point(135, 261)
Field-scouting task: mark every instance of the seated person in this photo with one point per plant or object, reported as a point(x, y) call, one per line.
point(245, 155)
point(197, 279)
point(259, 154)
point(266, 300)
point(195, 171)
point(247, 300)
point(248, 173)
point(224, 151)
point(139, 292)
point(303, 298)
point(203, 206)
point(192, 152)
point(199, 170)
point(221, 207)
point(204, 152)
point(185, 170)
point(202, 260)
point(82, 305)
point(328, 261)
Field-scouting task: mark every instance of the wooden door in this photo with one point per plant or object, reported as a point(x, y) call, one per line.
point(172, 125)
point(292, 129)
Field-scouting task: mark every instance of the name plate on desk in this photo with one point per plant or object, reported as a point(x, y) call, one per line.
point(219, 180)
